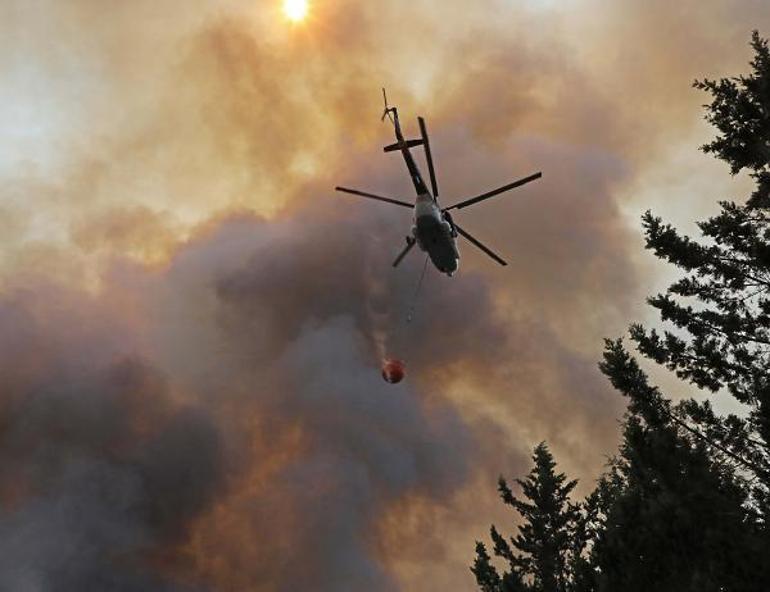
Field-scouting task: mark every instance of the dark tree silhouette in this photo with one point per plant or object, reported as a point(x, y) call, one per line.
point(722, 339)
point(721, 307)
point(691, 507)
point(677, 517)
point(541, 557)
point(739, 111)
point(685, 504)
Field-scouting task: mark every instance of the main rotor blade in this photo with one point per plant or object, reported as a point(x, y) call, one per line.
point(402, 254)
point(377, 197)
point(428, 156)
point(484, 248)
point(503, 189)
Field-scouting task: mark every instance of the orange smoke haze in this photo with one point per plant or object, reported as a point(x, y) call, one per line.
point(192, 322)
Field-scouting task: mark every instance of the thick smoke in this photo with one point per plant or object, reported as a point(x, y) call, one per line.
point(256, 432)
point(288, 450)
point(101, 467)
point(190, 399)
point(346, 446)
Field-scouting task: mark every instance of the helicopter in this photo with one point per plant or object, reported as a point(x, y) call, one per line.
point(433, 228)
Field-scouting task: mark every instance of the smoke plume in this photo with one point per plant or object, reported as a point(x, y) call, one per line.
point(192, 323)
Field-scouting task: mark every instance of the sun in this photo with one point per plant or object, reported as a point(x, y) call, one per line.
point(295, 10)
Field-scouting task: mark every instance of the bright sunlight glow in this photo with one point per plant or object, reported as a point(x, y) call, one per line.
point(295, 10)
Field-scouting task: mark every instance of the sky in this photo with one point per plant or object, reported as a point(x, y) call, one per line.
point(192, 321)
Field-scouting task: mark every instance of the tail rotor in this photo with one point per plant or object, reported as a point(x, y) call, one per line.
point(388, 108)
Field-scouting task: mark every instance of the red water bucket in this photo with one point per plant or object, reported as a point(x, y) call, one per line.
point(393, 371)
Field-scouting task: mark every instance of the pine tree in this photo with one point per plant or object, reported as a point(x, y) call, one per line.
point(722, 340)
point(739, 110)
point(690, 507)
point(685, 505)
point(675, 515)
point(545, 549)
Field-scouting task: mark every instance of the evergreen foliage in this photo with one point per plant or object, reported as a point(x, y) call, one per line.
point(542, 556)
point(677, 519)
point(720, 309)
point(685, 504)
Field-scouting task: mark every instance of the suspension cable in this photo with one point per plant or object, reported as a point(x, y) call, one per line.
point(410, 315)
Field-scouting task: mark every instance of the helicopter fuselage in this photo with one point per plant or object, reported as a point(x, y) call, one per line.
point(432, 229)
point(435, 234)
